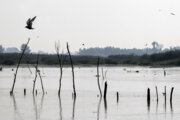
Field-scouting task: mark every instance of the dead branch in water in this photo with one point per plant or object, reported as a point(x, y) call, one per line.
point(98, 77)
point(72, 70)
point(36, 67)
point(11, 92)
point(41, 81)
point(60, 65)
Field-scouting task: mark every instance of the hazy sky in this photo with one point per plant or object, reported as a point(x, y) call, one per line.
point(96, 23)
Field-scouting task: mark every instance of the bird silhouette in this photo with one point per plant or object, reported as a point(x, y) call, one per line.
point(172, 13)
point(29, 23)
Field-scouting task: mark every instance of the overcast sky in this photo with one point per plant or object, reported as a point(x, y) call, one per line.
point(95, 23)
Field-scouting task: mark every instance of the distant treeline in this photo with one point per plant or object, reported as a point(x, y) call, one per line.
point(170, 58)
point(118, 51)
point(107, 51)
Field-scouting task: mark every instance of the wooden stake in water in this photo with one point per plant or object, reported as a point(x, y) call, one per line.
point(165, 94)
point(98, 78)
point(117, 94)
point(171, 94)
point(24, 91)
point(148, 97)
point(105, 90)
point(157, 99)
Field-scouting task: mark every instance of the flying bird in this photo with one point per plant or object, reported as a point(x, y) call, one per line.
point(172, 13)
point(29, 23)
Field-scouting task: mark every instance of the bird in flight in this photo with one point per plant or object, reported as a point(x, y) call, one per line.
point(172, 13)
point(29, 23)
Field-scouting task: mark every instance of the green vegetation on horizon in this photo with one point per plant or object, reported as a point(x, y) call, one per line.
point(170, 58)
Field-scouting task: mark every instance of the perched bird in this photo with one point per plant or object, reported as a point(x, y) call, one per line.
point(29, 23)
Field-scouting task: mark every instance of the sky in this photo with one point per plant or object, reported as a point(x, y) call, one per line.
point(94, 23)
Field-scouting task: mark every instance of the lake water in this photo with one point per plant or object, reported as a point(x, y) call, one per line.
point(130, 82)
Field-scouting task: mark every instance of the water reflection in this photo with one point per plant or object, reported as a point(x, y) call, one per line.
point(36, 110)
point(165, 104)
point(99, 106)
point(16, 111)
point(35, 107)
point(74, 105)
point(171, 107)
point(105, 107)
point(148, 105)
point(157, 107)
point(60, 108)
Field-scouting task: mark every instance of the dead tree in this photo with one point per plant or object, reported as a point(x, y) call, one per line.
point(72, 70)
point(23, 51)
point(36, 67)
point(98, 77)
point(37, 72)
point(60, 65)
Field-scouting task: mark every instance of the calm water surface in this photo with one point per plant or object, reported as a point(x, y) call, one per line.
point(131, 85)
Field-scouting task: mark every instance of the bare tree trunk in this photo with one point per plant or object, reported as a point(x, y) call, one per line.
point(11, 92)
point(36, 67)
point(72, 70)
point(57, 46)
point(98, 77)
